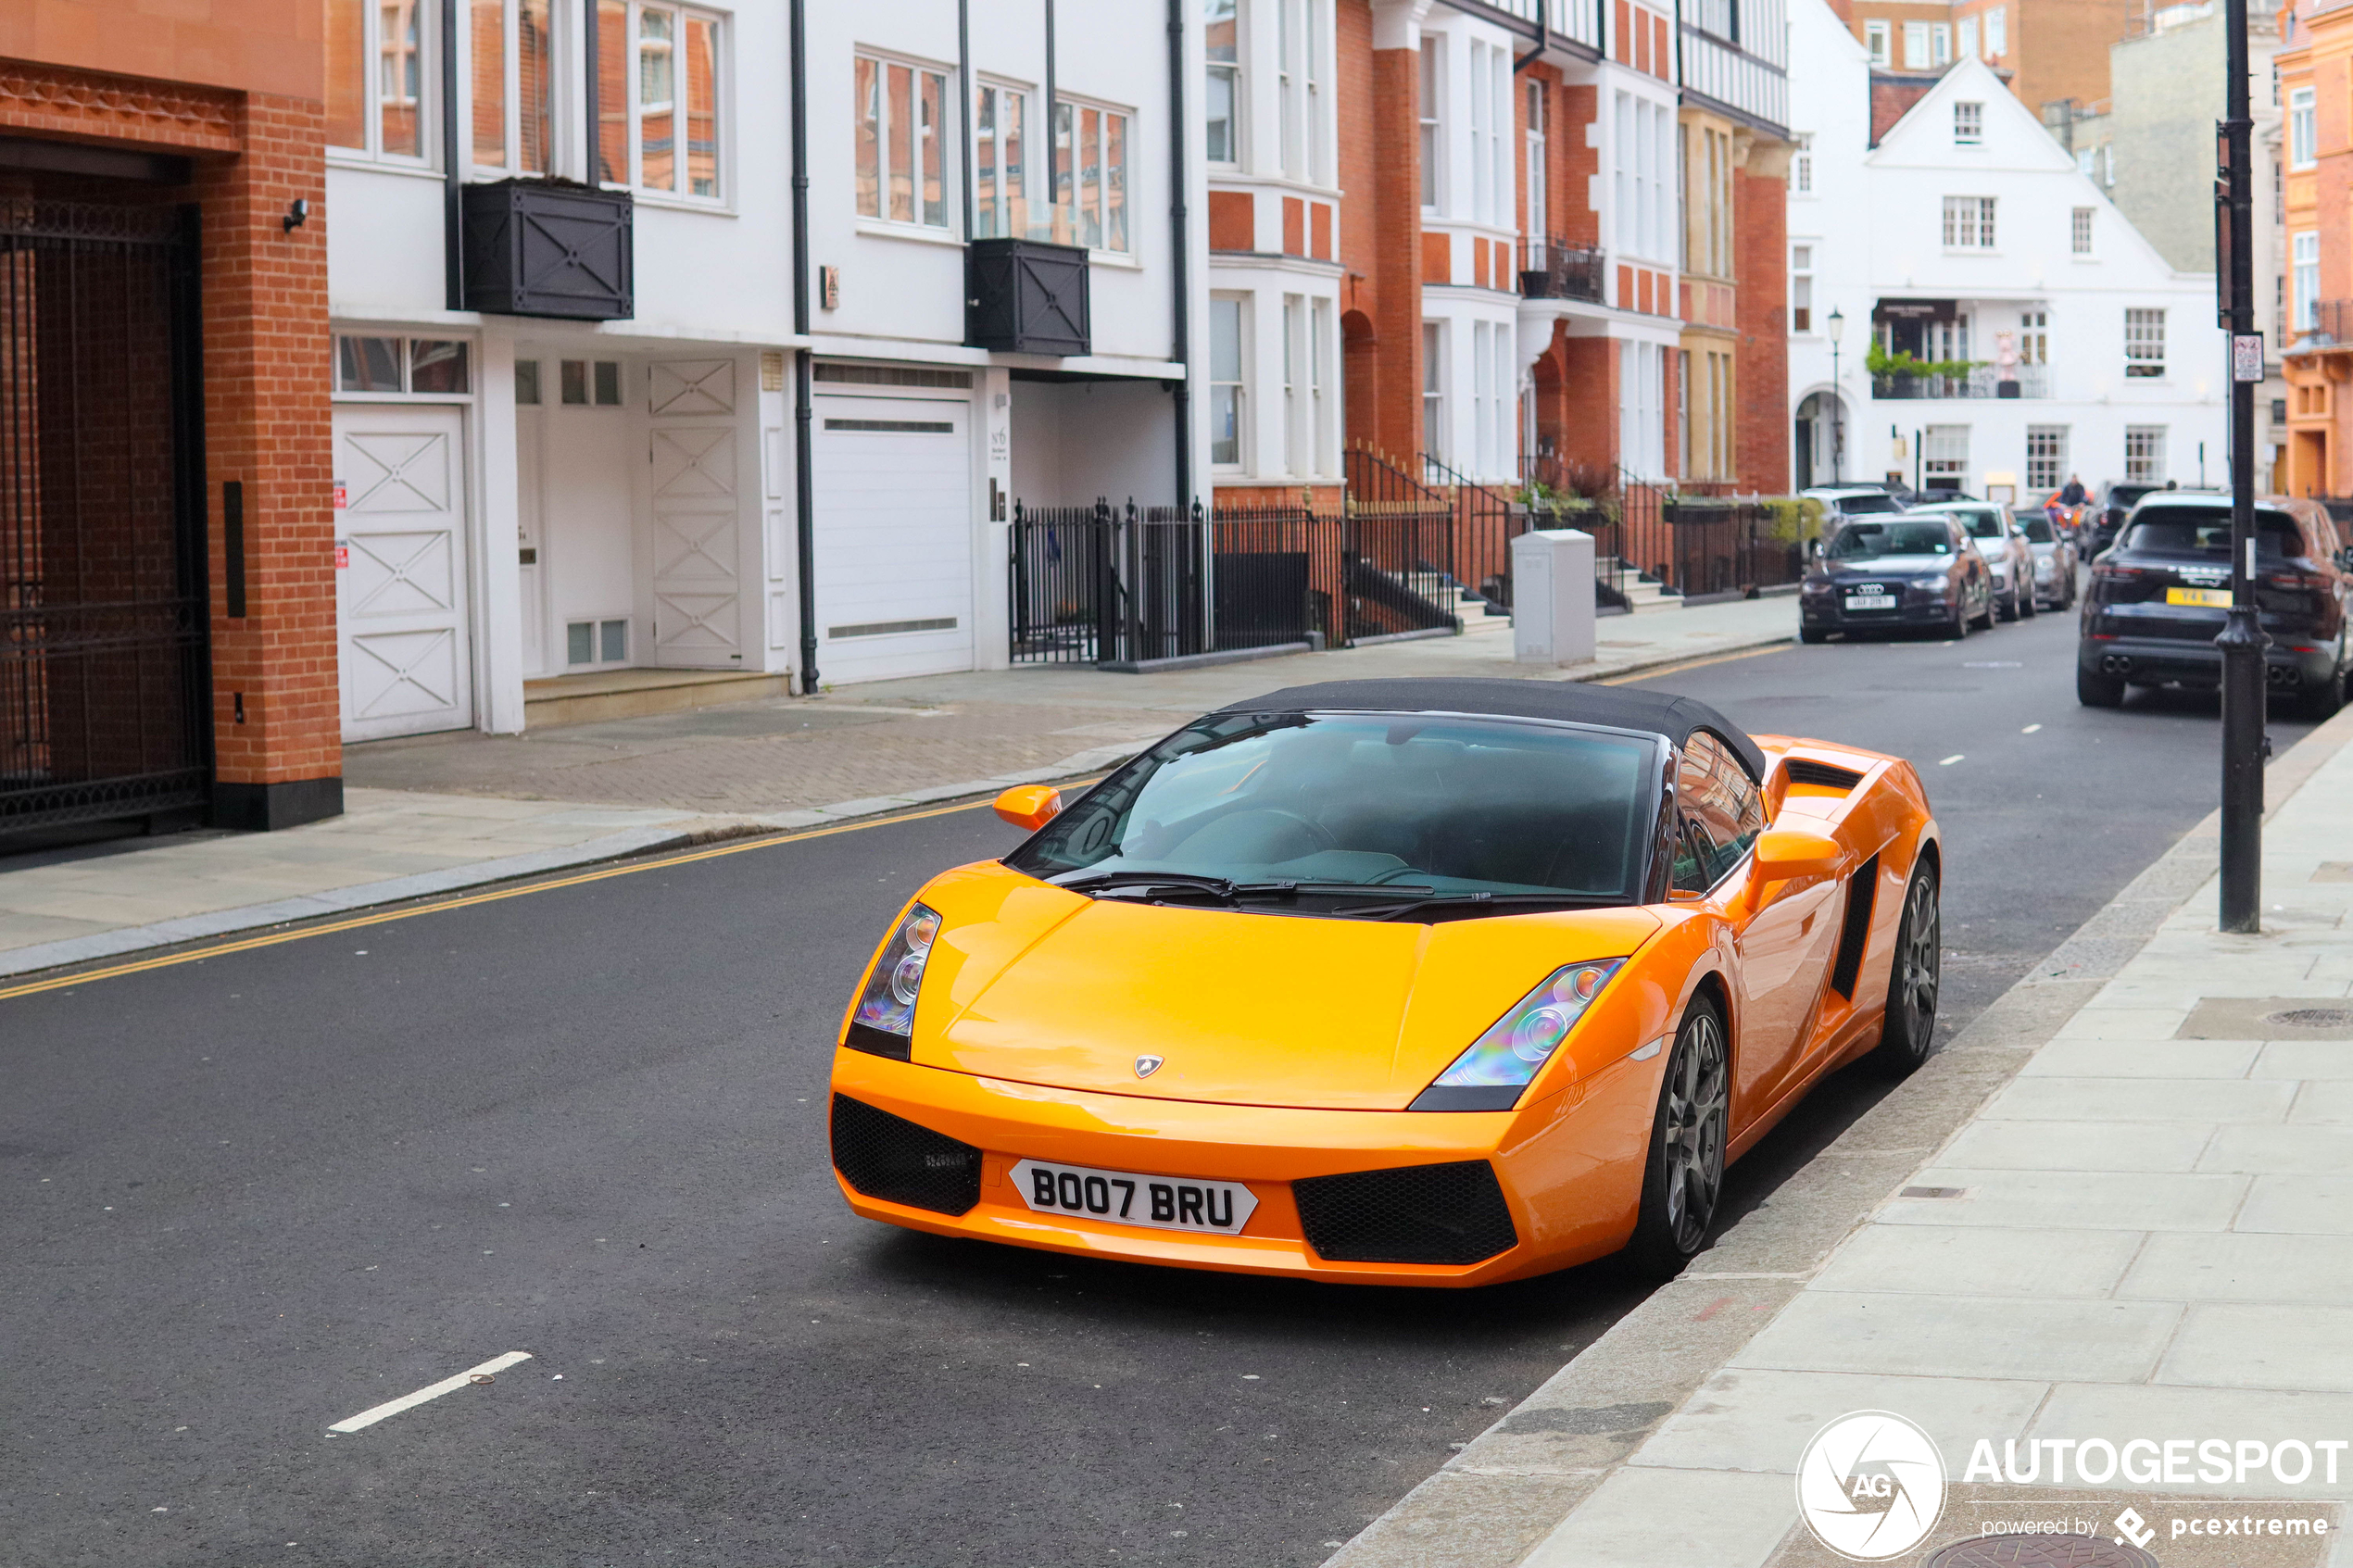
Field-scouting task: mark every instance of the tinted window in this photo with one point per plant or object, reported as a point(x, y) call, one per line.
point(1720, 810)
point(1865, 505)
point(1981, 525)
point(1371, 800)
point(2037, 530)
point(2205, 531)
point(1860, 541)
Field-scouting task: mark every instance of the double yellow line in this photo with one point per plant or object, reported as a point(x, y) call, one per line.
point(631, 868)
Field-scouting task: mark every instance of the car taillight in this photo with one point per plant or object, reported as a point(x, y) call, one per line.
point(2111, 572)
point(2309, 581)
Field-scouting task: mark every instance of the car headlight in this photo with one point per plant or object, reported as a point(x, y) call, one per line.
point(1506, 1060)
point(883, 1021)
point(2044, 565)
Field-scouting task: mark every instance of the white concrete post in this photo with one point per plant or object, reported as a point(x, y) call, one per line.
point(1553, 597)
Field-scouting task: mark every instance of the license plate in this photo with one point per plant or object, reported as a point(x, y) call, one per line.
point(1870, 601)
point(1165, 1204)
point(2205, 599)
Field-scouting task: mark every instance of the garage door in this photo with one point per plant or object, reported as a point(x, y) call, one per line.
point(893, 479)
point(400, 595)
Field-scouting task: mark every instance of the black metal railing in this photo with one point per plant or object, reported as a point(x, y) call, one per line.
point(1723, 546)
point(1550, 269)
point(1983, 380)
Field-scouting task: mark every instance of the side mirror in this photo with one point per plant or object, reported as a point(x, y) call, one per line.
point(1030, 807)
point(1813, 549)
point(1785, 854)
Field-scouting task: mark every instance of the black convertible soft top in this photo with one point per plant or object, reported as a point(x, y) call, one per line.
point(1570, 702)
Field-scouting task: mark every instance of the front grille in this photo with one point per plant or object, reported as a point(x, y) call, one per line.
point(895, 1159)
point(1801, 771)
point(1452, 1213)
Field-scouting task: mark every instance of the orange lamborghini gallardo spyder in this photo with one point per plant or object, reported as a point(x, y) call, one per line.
point(1427, 982)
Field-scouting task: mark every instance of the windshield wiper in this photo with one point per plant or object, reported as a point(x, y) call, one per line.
point(1153, 882)
point(1481, 902)
point(1256, 890)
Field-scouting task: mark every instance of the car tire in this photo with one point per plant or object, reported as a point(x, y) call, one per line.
point(2008, 608)
point(1985, 622)
point(1812, 634)
point(1907, 1029)
point(2094, 690)
point(2026, 605)
point(1683, 1177)
point(2323, 701)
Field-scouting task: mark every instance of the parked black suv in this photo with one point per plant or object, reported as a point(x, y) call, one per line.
point(2159, 596)
point(2116, 503)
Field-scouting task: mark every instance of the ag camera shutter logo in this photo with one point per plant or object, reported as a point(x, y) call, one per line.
point(1870, 1485)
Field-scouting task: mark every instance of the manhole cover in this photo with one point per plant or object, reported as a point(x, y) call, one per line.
point(2041, 1551)
point(2312, 1018)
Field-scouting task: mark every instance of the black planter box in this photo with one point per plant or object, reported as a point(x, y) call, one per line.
point(1025, 296)
point(533, 247)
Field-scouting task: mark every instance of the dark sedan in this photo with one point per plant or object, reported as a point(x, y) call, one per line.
point(1915, 571)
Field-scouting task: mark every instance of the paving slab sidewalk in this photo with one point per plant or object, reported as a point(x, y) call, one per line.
point(439, 813)
point(2142, 1158)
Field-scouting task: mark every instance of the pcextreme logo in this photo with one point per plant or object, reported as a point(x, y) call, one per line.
point(1870, 1485)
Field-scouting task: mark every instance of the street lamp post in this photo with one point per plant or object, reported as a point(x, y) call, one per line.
point(2242, 640)
point(1837, 324)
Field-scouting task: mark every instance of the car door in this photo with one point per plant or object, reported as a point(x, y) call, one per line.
point(1779, 941)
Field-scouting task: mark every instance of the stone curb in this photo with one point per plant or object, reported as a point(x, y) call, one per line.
point(1496, 1501)
point(620, 846)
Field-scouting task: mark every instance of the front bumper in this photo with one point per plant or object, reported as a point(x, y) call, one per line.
point(1831, 615)
point(2161, 662)
point(1570, 1165)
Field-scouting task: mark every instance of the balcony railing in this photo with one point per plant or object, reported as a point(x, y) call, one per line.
point(2331, 326)
point(1984, 381)
point(1550, 270)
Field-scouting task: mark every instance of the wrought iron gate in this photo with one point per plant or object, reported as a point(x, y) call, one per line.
point(104, 677)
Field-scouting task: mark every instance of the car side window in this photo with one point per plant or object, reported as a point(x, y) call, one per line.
point(1720, 810)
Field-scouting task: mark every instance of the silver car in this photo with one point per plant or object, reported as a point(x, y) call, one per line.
point(2006, 554)
point(2055, 561)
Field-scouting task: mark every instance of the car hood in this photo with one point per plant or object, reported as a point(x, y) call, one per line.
point(1033, 984)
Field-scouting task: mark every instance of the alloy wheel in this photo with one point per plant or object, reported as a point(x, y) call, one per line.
point(1920, 961)
point(1698, 1105)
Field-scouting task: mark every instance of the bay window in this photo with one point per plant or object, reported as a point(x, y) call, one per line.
point(1222, 111)
point(1226, 400)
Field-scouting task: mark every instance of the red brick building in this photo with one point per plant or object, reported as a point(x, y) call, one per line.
point(1542, 248)
point(166, 544)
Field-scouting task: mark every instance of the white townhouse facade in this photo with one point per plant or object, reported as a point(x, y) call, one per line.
point(573, 386)
point(1967, 233)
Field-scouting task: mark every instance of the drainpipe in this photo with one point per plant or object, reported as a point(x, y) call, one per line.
point(804, 412)
point(964, 80)
point(453, 273)
point(1180, 237)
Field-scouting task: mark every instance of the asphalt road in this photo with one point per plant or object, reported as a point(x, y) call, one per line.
point(252, 1195)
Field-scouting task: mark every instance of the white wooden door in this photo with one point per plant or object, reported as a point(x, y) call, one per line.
point(894, 491)
point(401, 595)
point(697, 596)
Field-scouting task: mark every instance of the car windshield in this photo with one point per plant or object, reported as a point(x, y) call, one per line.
point(1870, 502)
point(2205, 531)
point(2037, 530)
point(1417, 805)
point(1863, 540)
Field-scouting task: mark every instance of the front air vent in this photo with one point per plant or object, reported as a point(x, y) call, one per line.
point(899, 1161)
point(1854, 930)
point(1801, 771)
point(1453, 1213)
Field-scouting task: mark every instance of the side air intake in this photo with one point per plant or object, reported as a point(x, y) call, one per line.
point(1854, 930)
point(899, 1161)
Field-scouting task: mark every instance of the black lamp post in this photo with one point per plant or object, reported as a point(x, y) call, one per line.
point(1837, 324)
point(2242, 640)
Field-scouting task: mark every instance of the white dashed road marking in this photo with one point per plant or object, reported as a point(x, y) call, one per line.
point(1948, 761)
point(2030, 729)
point(431, 1391)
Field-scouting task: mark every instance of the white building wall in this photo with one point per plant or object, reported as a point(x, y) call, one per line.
point(1875, 221)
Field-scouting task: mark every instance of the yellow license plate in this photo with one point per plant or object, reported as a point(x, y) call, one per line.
point(2206, 598)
